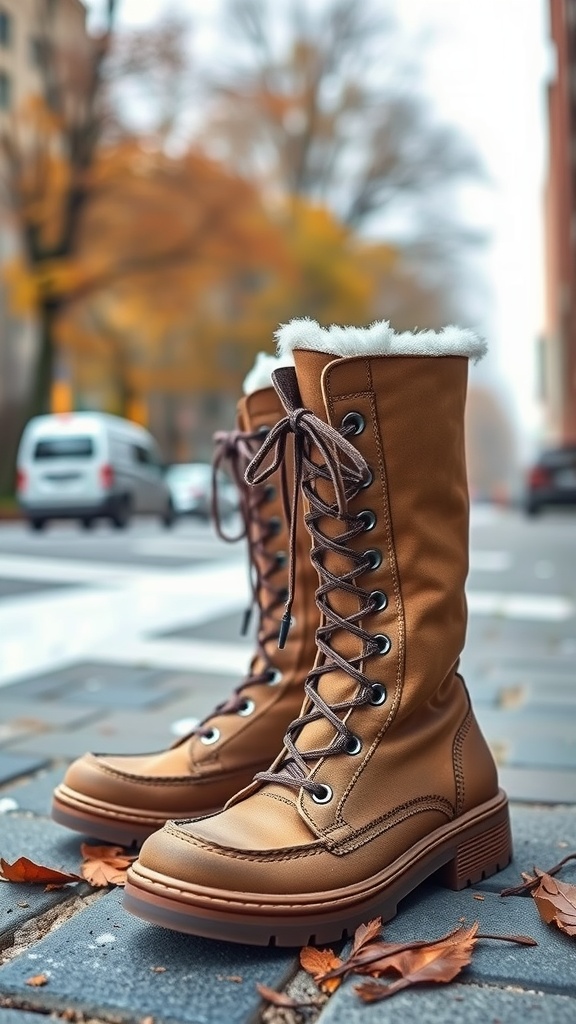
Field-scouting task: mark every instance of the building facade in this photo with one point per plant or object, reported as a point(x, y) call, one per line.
point(559, 342)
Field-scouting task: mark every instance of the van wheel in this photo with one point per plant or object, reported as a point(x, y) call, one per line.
point(87, 522)
point(122, 514)
point(169, 516)
point(37, 525)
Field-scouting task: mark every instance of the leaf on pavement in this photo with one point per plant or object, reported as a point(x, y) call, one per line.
point(105, 865)
point(25, 870)
point(319, 962)
point(439, 961)
point(365, 934)
point(282, 999)
point(531, 882)
point(556, 902)
point(37, 980)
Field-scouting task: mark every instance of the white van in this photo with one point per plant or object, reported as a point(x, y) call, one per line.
point(83, 465)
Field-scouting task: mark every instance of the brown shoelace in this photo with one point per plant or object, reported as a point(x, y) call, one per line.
point(235, 449)
point(347, 471)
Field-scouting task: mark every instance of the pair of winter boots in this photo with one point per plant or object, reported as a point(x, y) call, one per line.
point(348, 766)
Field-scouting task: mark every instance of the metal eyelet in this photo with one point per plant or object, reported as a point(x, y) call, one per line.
point(355, 420)
point(323, 794)
point(378, 601)
point(373, 558)
point(269, 492)
point(383, 643)
point(246, 708)
point(353, 745)
point(210, 737)
point(281, 559)
point(274, 676)
point(378, 694)
point(367, 518)
point(274, 525)
point(369, 479)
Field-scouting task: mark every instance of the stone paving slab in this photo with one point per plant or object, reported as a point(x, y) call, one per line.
point(32, 795)
point(450, 1004)
point(539, 785)
point(12, 765)
point(98, 737)
point(545, 740)
point(19, 718)
point(102, 962)
point(86, 676)
point(20, 1017)
point(45, 843)
point(549, 966)
point(541, 838)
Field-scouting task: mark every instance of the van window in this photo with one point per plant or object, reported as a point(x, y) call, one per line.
point(64, 448)
point(142, 455)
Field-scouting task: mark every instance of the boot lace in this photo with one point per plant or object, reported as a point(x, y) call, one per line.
point(347, 471)
point(234, 449)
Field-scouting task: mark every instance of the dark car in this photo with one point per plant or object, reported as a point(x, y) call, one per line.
point(552, 480)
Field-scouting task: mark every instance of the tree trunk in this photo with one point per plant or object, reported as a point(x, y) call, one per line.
point(44, 364)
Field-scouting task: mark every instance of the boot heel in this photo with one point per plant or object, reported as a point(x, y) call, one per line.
point(479, 857)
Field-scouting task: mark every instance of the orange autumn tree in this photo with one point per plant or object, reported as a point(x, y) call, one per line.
point(332, 274)
point(165, 245)
point(47, 148)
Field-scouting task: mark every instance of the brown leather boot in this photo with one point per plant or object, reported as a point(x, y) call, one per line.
point(385, 779)
point(125, 798)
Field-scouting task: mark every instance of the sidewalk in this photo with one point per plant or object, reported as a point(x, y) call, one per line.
point(101, 962)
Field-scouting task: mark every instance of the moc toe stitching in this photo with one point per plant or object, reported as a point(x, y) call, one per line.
point(283, 853)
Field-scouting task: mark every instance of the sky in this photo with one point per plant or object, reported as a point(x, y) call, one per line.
point(484, 67)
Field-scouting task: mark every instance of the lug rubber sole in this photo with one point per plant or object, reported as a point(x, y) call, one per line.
point(473, 847)
point(121, 825)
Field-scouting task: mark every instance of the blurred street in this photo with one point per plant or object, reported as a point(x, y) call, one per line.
point(170, 602)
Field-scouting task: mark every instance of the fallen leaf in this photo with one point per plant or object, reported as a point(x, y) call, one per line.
point(521, 940)
point(105, 865)
point(25, 870)
point(531, 882)
point(439, 961)
point(556, 902)
point(478, 896)
point(37, 981)
point(281, 999)
point(158, 970)
point(318, 962)
point(365, 934)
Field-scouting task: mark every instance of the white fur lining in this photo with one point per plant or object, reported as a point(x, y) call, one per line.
point(260, 376)
point(380, 339)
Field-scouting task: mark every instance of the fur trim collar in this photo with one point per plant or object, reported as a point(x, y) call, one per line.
point(260, 376)
point(380, 339)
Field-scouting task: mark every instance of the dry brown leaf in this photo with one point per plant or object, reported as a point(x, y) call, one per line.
point(365, 934)
point(556, 902)
point(318, 962)
point(531, 882)
point(37, 980)
point(439, 961)
point(25, 870)
point(105, 865)
point(281, 999)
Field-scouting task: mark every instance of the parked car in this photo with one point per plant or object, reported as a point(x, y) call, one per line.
point(190, 485)
point(88, 465)
point(552, 480)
